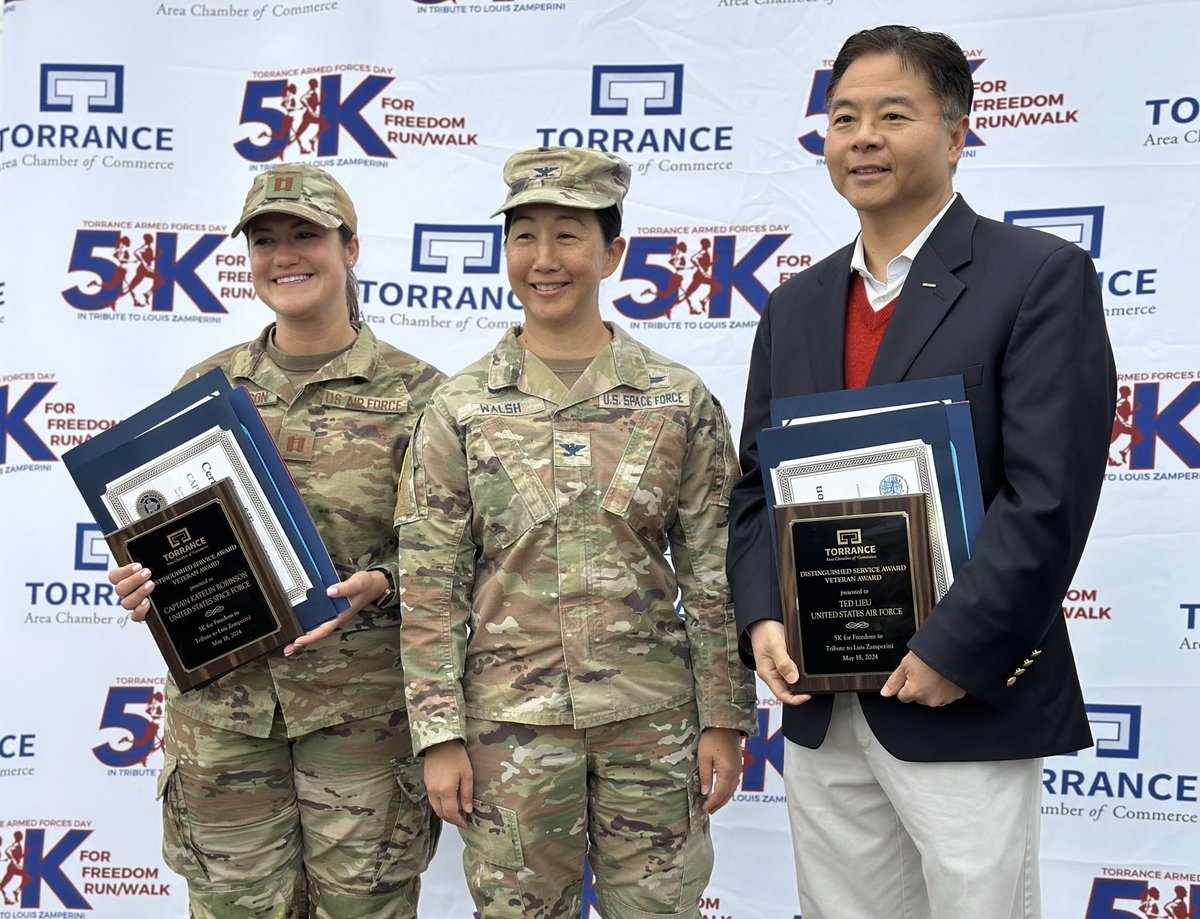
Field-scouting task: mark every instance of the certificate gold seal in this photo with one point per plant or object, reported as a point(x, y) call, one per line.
point(150, 502)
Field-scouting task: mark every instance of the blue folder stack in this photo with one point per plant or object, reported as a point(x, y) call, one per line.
point(208, 402)
point(933, 411)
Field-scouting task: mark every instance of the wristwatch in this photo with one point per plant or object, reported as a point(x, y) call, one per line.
point(388, 597)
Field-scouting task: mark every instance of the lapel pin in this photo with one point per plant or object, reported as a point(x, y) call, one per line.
point(927, 284)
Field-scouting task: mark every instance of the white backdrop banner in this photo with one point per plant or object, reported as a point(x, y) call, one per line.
point(128, 136)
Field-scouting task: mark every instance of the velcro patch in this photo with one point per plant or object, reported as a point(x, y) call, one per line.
point(262, 396)
point(337, 399)
point(283, 186)
point(296, 445)
point(526, 406)
point(660, 378)
point(572, 448)
point(638, 400)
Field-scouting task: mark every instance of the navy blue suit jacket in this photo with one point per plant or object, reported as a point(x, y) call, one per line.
point(1019, 314)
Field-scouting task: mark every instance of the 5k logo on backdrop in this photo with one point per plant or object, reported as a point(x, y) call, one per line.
point(146, 272)
point(1117, 898)
point(691, 275)
point(309, 114)
point(339, 112)
point(33, 861)
point(763, 754)
point(1150, 413)
point(129, 267)
point(45, 861)
point(137, 712)
point(16, 407)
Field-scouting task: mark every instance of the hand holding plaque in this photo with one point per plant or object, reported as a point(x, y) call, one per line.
point(217, 602)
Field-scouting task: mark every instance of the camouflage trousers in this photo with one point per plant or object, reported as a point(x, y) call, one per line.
point(333, 825)
point(625, 794)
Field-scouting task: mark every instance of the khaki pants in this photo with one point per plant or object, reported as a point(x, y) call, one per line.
point(625, 794)
point(877, 836)
point(252, 822)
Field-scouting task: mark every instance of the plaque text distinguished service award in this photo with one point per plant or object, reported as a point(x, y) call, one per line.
point(856, 582)
point(217, 602)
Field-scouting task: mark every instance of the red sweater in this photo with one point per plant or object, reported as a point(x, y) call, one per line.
point(864, 332)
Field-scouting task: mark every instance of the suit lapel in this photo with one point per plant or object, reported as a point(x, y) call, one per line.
point(824, 328)
point(929, 292)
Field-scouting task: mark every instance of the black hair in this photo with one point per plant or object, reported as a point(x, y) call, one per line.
point(610, 223)
point(934, 56)
point(609, 218)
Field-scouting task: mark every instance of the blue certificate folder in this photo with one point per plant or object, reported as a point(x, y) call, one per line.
point(944, 425)
point(210, 401)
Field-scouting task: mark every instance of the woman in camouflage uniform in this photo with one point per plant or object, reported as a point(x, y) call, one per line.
point(564, 706)
point(296, 770)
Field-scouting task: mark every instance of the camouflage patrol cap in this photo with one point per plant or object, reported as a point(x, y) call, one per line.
point(302, 190)
point(571, 176)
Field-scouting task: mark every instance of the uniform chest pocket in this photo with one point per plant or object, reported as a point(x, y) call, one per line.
point(508, 496)
point(645, 486)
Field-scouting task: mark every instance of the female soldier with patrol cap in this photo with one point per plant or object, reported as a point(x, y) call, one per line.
point(297, 769)
point(563, 705)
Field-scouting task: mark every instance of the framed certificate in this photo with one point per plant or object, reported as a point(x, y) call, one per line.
point(213, 455)
point(889, 470)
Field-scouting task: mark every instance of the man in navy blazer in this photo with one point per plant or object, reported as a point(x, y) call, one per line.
point(924, 799)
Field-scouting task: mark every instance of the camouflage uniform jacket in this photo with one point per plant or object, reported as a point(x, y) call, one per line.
point(534, 525)
point(342, 437)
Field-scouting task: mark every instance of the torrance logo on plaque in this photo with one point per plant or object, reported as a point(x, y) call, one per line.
point(216, 603)
point(856, 582)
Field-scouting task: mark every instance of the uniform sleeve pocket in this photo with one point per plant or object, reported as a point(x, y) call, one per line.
point(410, 491)
point(493, 834)
point(726, 470)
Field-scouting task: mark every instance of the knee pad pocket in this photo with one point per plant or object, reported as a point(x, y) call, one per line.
point(613, 908)
point(222, 856)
